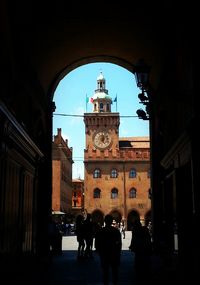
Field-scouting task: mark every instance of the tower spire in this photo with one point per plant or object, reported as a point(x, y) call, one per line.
point(101, 99)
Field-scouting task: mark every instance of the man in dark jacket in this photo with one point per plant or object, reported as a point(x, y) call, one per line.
point(88, 228)
point(142, 247)
point(108, 245)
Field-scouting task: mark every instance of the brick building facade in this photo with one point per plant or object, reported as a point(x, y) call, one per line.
point(77, 197)
point(117, 170)
point(61, 174)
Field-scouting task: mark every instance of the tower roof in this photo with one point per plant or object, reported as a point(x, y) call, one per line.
point(100, 77)
point(101, 92)
point(101, 95)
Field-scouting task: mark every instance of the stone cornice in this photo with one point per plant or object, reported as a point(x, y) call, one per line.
point(13, 133)
point(179, 153)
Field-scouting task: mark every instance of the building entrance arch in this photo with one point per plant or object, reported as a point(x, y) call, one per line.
point(132, 216)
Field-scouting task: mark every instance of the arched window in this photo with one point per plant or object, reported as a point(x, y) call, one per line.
point(101, 107)
point(107, 107)
point(114, 193)
point(132, 193)
point(132, 173)
point(114, 173)
point(149, 193)
point(97, 173)
point(75, 199)
point(97, 193)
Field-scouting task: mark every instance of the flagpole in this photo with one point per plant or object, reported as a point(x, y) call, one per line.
point(86, 101)
point(116, 102)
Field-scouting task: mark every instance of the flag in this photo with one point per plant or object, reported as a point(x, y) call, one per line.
point(87, 99)
point(91, 100)
point(115, 100)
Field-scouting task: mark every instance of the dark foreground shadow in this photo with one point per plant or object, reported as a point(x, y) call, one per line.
point(66, 269)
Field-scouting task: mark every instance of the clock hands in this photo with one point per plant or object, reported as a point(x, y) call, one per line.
point(102, 139)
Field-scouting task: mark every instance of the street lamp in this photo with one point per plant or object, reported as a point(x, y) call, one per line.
point(141, 72)
point(142, 114)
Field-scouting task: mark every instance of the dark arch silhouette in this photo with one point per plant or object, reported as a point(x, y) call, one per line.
point(98, 216)
point(132, 216)
point(116, 215)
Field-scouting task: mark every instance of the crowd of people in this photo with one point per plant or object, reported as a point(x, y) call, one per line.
point(107, 241)
point(85, 231)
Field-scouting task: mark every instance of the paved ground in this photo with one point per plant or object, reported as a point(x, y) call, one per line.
point(70, 243)
point(66, 269)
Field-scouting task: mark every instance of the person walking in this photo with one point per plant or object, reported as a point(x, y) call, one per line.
point(80, 236)
point(89, 232)
point(122, 229)
point(54, 236)
point(108, 243)
point(142, 247)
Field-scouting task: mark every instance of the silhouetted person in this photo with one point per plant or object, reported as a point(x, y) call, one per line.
point(88, 227)
point(108, 245)
point(142, 247)
point(122, 229)
point(97, 228)
point(55, 237)
point(80, 236)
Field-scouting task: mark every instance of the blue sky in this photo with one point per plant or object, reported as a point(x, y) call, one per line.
point(70, 99)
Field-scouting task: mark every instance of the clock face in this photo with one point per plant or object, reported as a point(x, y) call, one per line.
point(102, 139)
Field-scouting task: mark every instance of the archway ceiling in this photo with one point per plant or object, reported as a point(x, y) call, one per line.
point(62, 37)
point(75, 43)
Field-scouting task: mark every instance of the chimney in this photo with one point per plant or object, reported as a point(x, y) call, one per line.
point(59, 132)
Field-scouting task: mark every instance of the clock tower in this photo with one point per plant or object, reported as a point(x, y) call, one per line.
point(102, 125)
point(115, 169)
point(101, 147)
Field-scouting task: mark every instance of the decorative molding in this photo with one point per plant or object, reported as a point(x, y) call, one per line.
point(179, 153)
point(15, 136)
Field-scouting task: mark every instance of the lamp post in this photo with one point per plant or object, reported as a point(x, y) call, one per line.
point(141, 72)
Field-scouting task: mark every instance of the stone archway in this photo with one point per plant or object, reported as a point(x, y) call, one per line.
point(98, 217)
point(117, 216)
point(129, 66)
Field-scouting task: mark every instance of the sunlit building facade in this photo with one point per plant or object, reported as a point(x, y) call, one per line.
point(117, 170)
